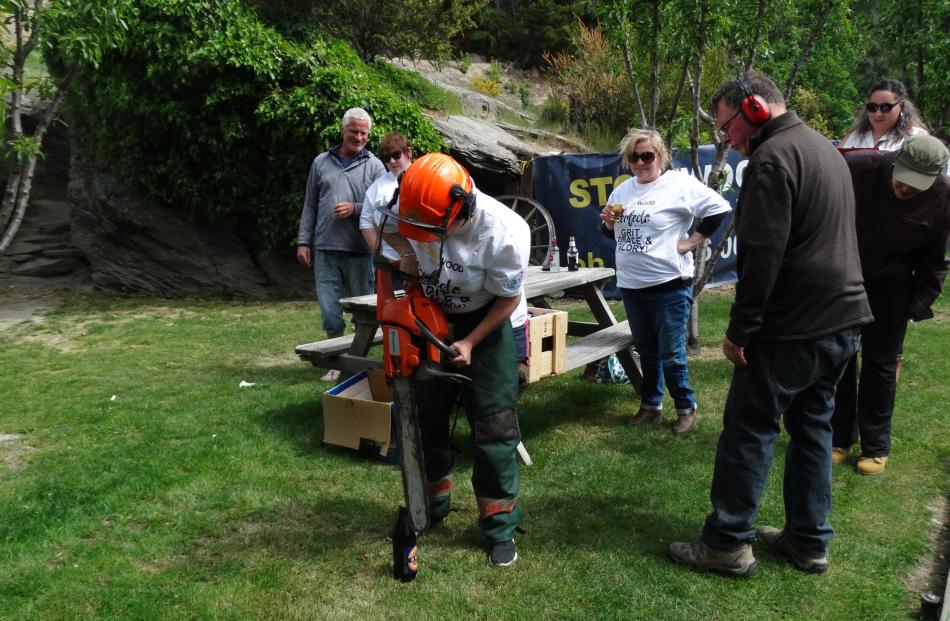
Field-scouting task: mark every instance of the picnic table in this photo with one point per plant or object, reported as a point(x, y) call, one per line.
point(596, 340)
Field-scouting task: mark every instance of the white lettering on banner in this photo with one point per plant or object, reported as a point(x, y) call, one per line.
point(740, 171)
point(728, 249)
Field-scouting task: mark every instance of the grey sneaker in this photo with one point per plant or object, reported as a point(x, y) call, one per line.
point(503, 553)
point(735, 562)
point(803, 560)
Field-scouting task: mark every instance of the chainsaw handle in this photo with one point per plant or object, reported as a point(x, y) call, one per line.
point(432, 338)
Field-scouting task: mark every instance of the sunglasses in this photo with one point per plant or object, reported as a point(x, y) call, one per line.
point(395, 155)
point(885, 107)
point(646, 156)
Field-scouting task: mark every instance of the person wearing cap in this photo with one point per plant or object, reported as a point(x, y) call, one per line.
point(903, 224)
point(469, 253)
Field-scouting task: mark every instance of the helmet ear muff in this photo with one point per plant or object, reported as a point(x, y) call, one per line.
point(754, 108)
point(467, 208)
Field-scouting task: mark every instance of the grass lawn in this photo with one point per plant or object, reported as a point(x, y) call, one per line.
point(143, 483)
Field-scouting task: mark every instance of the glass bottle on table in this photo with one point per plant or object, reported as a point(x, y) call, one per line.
point(572, 265)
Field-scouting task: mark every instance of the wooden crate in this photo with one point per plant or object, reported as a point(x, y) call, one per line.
point(547, 344)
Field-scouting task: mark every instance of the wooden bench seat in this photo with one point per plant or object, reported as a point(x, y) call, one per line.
point(599, 345)
point(332, 353)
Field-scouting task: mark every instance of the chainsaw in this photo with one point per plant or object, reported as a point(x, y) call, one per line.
point(414, 333)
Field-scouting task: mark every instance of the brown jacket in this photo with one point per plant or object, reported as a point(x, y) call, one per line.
point(900, 241)
point(798, 266)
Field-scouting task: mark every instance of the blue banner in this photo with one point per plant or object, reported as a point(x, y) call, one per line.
point(574, 188)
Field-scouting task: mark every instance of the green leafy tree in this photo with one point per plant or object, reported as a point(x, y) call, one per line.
point(409, 28)
point(204, 107)
point(523, 30)
point(915, 38)
point(30, 22)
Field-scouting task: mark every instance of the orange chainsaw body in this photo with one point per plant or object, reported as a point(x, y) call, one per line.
point(404, 345)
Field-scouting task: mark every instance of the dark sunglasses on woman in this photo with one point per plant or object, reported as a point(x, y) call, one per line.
point(395, 155)
point(646, 156)
point(885, 107)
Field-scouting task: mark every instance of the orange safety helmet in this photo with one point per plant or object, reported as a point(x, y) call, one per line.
point(434, 191)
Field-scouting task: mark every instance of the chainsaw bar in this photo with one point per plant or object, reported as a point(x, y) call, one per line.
point(411, 461)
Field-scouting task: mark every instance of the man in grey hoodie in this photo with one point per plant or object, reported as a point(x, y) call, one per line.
point(329, 237)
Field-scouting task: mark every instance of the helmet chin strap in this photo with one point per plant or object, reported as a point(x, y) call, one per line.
point(380, 261)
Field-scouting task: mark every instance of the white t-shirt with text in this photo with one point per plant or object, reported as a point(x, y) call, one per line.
point(655, 216)
point(378, 195)
point(486, 257)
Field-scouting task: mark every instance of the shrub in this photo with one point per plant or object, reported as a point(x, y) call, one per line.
point(203, 107)
point(811, 109)
point(525, 94)
point(494, 70)
point(592, 82)
point(484, 84)
point(464, 62)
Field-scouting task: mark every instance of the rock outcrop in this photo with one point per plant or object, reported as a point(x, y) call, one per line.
point(136, 246)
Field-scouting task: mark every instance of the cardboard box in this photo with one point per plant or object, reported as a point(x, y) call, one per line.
point(547, 344)
point(360, 414)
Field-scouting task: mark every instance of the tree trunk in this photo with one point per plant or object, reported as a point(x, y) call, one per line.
point(20, 188)
point(713, 260)
point(759, 21)
point(633, 78)
point(692, 336)
point(816, 29)
point(684, 73)
point(655, 66)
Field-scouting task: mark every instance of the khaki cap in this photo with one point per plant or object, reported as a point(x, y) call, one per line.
point(920, 161)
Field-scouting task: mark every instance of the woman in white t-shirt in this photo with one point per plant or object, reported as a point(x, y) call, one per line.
point(396, 153)
point(655, 267)
point(885, 121)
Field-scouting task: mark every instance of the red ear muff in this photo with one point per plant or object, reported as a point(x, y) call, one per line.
point(754, 108)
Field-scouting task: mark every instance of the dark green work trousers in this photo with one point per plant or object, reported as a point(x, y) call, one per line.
point(490, 402)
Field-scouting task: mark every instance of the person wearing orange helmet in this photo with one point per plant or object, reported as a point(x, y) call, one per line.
point(469, 253)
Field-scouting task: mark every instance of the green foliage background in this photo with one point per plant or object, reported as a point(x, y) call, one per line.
point(201, 105)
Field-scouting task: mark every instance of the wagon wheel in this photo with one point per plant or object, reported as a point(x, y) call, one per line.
point(539, 221)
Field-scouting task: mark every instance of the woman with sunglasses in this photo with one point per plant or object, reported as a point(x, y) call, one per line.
point(655, 266)
point(396, 154)
point(885, 121)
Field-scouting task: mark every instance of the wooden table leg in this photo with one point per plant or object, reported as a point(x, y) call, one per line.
point(363, 339)
point(605, 317)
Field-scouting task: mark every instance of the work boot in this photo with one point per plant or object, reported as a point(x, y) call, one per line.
point(737, 561)
point(840, 455)
point(644, 416)
point(684, 422)
point(872, 465)
point(503, 553)
point(803, 560)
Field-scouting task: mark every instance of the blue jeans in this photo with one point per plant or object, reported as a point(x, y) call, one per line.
point(795, 380)
point(339, 275)
point(658, 322)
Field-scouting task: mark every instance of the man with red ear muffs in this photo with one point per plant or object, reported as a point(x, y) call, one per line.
point(795, 323)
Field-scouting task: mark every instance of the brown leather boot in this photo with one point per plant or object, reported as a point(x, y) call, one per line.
point(644, 417)
point(684, 423)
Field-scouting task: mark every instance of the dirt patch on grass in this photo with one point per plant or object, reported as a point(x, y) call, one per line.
point(12, 450)
point(931, 571)
point(30, 299)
